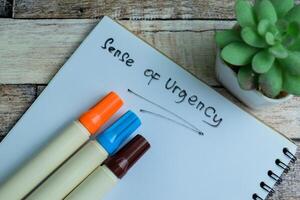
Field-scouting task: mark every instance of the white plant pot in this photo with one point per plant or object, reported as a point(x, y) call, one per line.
point(252, 98)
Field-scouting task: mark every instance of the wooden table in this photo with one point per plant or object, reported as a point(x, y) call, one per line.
point(37, 37)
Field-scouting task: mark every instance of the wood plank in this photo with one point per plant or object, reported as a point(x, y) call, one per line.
point(40, 89)
point(133, 9)
point(36, 49)
point(14, 101)
point(6, 8)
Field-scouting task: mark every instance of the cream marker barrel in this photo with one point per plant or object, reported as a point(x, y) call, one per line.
point(81, 164)
point(105, 177)
point(59, 149)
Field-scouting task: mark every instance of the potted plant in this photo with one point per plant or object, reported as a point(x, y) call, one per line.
point(258, 60)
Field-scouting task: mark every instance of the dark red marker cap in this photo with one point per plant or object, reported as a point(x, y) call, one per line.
point(126, 157)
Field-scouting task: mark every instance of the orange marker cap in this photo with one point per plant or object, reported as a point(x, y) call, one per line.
point(94, 118)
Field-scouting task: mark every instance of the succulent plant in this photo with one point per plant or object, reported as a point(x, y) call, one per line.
point(264, 46)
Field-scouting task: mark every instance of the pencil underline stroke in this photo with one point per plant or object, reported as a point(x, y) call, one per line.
point(171, 120)
point(153, 103)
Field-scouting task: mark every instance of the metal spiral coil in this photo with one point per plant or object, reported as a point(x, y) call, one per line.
point(274, 176)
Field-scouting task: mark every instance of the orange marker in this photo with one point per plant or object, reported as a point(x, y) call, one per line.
point(59, 149)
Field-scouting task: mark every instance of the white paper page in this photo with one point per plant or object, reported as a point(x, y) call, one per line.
point(228, 161)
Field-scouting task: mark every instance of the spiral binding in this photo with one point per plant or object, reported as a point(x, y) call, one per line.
point(290, 155)
point(274, 176)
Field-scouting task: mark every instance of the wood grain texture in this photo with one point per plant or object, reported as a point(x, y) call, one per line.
point(31, 50)
point(6, 8)
point(129, 9)
point(14, 101)
point(133, 9)
point(39, 89)
point(35, 49)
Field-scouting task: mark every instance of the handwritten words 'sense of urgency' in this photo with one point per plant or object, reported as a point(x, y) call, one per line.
point(210, 113)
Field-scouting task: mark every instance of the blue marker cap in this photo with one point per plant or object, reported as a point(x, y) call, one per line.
point(113, 137)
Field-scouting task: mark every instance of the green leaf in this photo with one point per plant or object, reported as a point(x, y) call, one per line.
point(291, 84)
point(271, 82)
point(245, 13)
point(282, 6)
point(282, 25)
point(279, 51)
point(238, 53)
point(265, 10)
point(295, 45)
point(252, 38)
point(263, 26)
point(274, 30)
point(292, 63)
point(270, 39)
point(293, 29)
point(247, 78)
point(294, 14)
point(287, 41)
point(225, 37)
point(262, 62)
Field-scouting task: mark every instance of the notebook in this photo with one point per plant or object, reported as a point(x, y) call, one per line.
point(203, 146)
